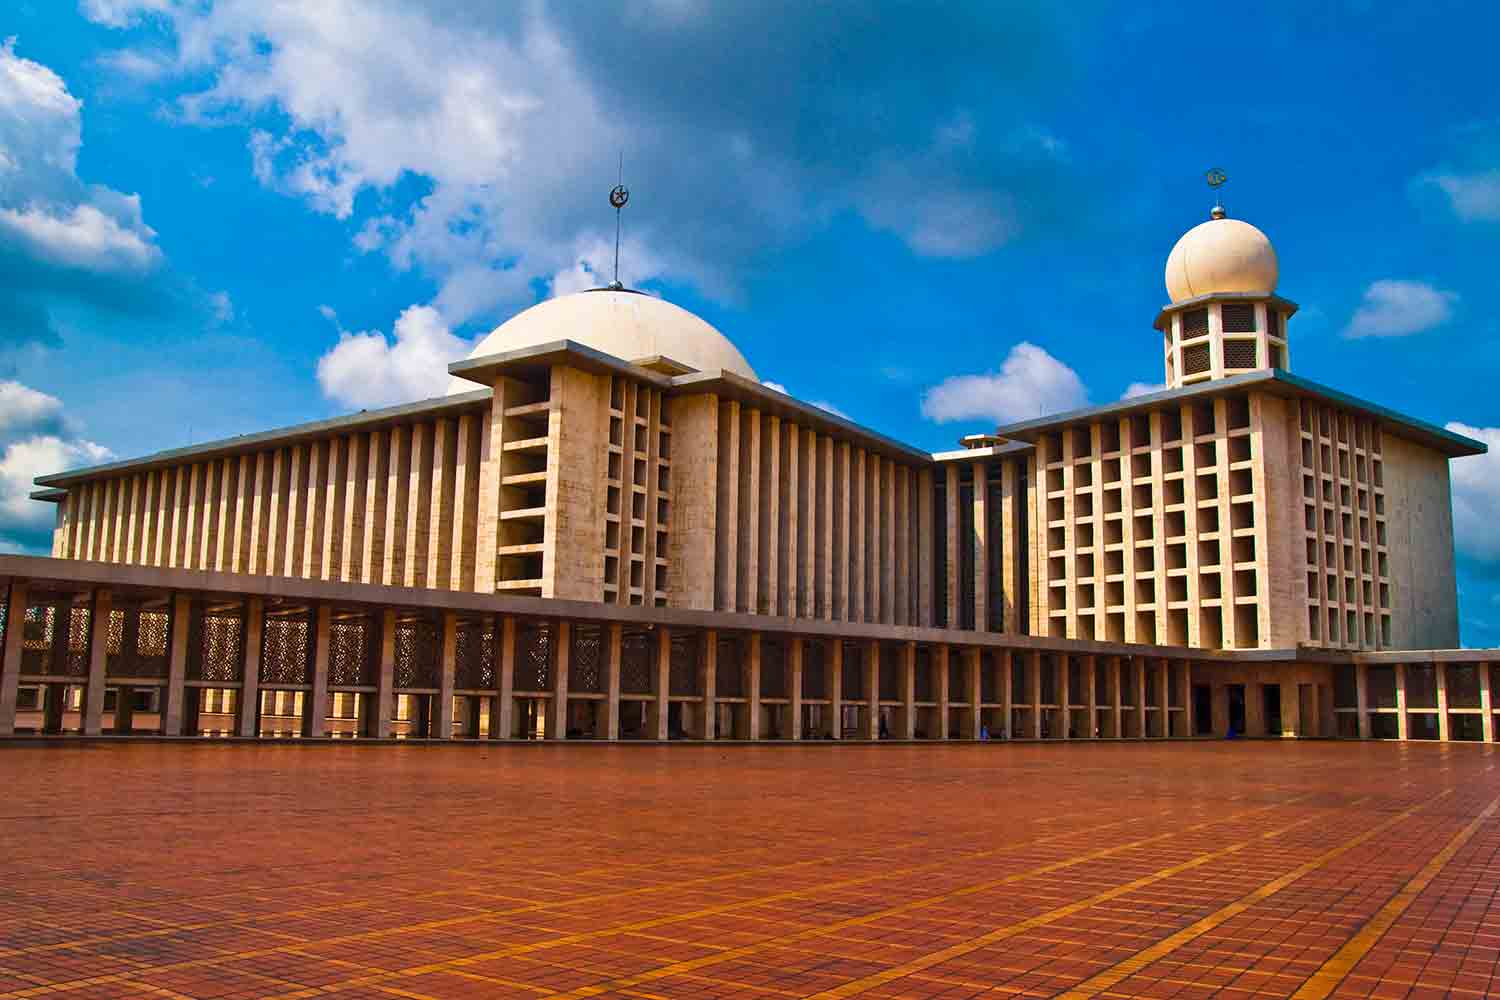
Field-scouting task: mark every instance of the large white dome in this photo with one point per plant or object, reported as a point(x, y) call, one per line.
point(1221, 255)
point(626, 325)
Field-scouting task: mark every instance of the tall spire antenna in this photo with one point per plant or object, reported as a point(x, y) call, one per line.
point(1216, 179)
point(618, 198)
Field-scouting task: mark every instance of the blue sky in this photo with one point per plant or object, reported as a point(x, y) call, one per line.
point(222, 217)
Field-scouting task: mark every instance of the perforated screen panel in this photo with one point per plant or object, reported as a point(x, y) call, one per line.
point(1239, 317)
point(1194, 324)
point(1273, 322)
point(1239, 354)
point(1195, 359)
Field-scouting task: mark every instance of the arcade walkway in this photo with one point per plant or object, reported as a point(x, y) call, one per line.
point(1234, 870)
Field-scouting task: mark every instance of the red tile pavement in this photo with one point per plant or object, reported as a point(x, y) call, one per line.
point(1227, 870)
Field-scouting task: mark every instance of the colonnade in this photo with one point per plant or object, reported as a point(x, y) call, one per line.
point(324, 668)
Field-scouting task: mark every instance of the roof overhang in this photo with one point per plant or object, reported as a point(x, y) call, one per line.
point(361, 422)
point(1286, 305)
point(1275, 381)
point(538, 358)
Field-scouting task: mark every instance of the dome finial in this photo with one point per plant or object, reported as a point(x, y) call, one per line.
point(1216, 179)
point(619, 197)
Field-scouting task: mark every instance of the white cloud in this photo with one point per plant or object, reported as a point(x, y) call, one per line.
point(824, 404)
point(40, 126)
point(512, 116)
point(1397, 308)
point(1030, 383)
point(25, 412)
point(82, 236)
point(1143, 389)
point(1476, 496)
point(36, 438)
point(821, 404)
point(122, 13)
point(137, 64)
point(367, 370)
point(44, 207)
point(1473, 197)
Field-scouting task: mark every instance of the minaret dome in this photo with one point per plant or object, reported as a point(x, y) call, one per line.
point(1225, 317)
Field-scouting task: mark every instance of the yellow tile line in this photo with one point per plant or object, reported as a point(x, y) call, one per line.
point(524, 949)
point(571, 939)
point(252, 919)
point(1321, 983)
point(691, 965)
point(1098, 983)
point(1052, 916)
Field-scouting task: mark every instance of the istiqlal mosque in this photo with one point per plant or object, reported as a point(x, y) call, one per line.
point(610, 529)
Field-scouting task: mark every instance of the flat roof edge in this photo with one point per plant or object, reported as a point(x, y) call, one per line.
point(1268, 379)
point(261, 439)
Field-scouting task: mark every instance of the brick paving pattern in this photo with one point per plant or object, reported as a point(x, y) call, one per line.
point(1188, 871)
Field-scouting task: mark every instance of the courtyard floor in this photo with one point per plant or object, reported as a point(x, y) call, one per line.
point(1231, 870)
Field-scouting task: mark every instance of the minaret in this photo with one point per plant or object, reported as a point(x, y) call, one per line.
point(1225, 317)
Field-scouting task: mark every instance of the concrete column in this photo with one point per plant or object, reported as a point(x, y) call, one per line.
point(1164, 696)
point(794, 682)
point(1291, 709)
point(192, 707)
point(447, 667)
point(561, 658)
point(1189, 724)
point(1255, 707)
point(315, 708)
point(10, 653)
point(177, 650)
point(1034, 692)
point(100, 606)
point(124, 710)
point(950, 506)
point(660, 713)
point(253, 630)
point(1118, 706)
point(708, 672)
point(1007, 706)
point(1219, 705)
point(1442, 701)
point(752, 681)
point(613, 641)
point(833, 662)
point(1401, 720)
point(872, 690)
point(1487, 720)
point(1140, 695)
point(940, 664)
point(1060, 670)
point(908, 691)
point(1090, 666)
point(505, 657)
point(975, 658)
point(1361, 695)
point(378, 725)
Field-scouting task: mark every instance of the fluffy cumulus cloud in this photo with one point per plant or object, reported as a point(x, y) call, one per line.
point(62, 241)
point(368, 369)
point(1397, 308)
point(1030, 383)
point(1476, 497)
point(475, 143)
point(36, 438)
